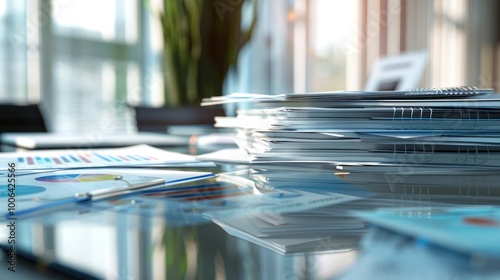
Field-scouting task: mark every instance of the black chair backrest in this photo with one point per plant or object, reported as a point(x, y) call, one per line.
point(156, 119)
point(21, 118)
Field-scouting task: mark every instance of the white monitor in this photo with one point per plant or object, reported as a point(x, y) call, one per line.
point(399, 72)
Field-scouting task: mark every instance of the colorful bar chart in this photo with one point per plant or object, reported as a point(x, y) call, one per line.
point(91, 158)
point(133, 156)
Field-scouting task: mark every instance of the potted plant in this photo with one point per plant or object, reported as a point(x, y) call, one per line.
point(202, 41)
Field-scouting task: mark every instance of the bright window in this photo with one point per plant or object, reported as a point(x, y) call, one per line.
point(332, 27)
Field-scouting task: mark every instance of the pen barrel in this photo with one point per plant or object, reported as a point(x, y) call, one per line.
point(152, 183)
point(109, 193)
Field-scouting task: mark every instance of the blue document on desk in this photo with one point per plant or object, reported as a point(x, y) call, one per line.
point(472, 231)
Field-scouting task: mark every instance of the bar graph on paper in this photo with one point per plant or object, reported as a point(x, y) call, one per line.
point(131, 156)
point(91, 158)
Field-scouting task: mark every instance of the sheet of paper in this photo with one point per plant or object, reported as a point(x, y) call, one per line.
point(57, 140)
point(89, 158)
point(226, 155)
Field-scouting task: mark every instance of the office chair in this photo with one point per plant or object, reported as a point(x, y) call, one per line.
point(154, 119)
point(21, 118)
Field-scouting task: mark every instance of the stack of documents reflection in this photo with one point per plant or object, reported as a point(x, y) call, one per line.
point(334, 227)
point(442, 127)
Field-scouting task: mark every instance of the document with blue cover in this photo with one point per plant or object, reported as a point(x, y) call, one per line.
point(466, 229)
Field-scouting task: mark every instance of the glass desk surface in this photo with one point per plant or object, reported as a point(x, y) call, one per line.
point(130, 239)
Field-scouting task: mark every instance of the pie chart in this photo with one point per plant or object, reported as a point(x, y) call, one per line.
point(79, 178)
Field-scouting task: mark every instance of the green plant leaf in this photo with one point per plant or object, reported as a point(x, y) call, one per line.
point(200, 48)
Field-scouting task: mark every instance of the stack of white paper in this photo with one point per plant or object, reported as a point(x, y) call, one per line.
point(440, 127)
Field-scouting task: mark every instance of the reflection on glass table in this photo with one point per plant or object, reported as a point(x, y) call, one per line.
point(229, 228)
point(114, 245)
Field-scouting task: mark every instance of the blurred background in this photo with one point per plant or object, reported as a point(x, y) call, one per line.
point(87, 61)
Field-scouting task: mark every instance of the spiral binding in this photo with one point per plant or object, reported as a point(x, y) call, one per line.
point(448, 91)
point(411, 153)
point(420, 118)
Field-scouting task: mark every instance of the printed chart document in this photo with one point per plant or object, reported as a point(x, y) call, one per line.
point(39, 190)
point(140, 155)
